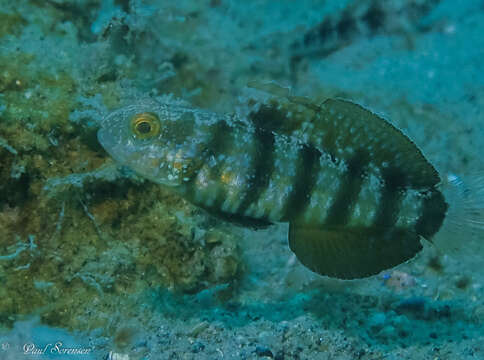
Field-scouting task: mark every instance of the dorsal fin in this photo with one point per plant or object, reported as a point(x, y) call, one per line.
point(270, 87)
point(342, 128)
point(353, 126)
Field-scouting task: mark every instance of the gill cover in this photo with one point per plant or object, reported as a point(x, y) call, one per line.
point(152, 139)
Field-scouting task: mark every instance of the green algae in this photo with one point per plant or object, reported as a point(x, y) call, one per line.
point(193, 80)
point(11, 24)
point(101, 243)
point(37, 103)
point(98, 243)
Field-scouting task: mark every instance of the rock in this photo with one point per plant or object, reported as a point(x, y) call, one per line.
point(263, 351)
point(376, 321)
point(197, 347)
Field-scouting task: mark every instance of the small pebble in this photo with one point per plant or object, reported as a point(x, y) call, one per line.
point(197, 329)
point(388, 331)
point(399, 280)
point(377, 320)
point(416, 305)
point(263, 351)
point(279, 355)
point(197, 347)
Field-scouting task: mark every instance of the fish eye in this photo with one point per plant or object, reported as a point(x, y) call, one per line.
point(145, 125)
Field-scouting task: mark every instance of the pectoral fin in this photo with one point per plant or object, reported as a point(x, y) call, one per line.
point(349, 253)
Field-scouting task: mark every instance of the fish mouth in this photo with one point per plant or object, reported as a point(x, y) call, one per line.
point(109, 144)
point(118, 152)
point(105, 140)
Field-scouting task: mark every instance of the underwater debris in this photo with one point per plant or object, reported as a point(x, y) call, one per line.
point(92, 108)
point(199, 328)
point(107, 11)
point(17, 171)
point(106, 173)
point(116, 356)
point(4, 144)
point(399, 280)
point(91, 217)
point(19, 248)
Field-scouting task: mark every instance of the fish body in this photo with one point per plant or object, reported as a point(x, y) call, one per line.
point(356, 192)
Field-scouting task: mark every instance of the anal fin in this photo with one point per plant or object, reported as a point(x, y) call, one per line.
point(350, 253)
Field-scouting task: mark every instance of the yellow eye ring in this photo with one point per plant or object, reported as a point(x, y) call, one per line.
point(145, 125)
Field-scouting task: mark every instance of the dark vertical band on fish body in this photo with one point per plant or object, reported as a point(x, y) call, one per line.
point(350, 187)
point(391, 196)
point(263, 167)
point(434, 209)
point(270, 118)
point(306, 176)
point(265, 120)
point(218, 141)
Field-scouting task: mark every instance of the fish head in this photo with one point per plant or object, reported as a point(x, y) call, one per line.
point(154, 140)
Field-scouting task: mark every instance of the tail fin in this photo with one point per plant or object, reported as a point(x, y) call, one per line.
point(463, 228)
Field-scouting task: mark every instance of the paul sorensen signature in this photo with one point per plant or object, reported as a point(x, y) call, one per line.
point(54, 348)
